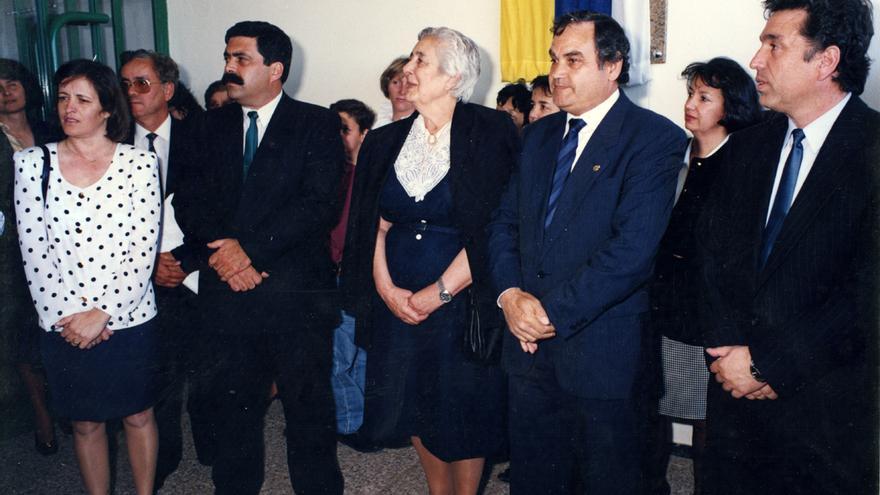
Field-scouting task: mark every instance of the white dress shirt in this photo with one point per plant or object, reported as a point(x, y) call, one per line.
point(172, 234)
point(264, 115)
point(593, 118)
point(814, 136)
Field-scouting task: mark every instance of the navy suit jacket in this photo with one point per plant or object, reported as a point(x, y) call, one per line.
point(281, 214)
point(591, 267)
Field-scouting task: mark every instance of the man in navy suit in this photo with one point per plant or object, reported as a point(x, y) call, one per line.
point(572, 248)
point(268, 198)
point(790, 267)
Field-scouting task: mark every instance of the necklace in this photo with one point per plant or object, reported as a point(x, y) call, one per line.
point(84, 157)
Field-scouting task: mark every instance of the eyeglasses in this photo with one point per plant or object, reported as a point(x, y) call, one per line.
point(141, 86)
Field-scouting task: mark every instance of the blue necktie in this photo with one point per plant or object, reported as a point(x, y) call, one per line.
point(784, 194)
point(250, 144)
point(564, 160)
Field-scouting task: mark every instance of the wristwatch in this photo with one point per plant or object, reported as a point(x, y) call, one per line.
point(445, 295)
point(756, 373)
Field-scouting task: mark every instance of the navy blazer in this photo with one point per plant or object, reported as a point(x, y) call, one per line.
point(281, 214)
point(590, 269)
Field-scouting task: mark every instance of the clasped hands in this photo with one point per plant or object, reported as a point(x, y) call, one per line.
point(233, 265)
point(410, 307)
point(732, 369)
point(85, 329)
point(526, 319)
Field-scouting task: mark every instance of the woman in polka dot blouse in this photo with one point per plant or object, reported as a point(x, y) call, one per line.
point(88, 245)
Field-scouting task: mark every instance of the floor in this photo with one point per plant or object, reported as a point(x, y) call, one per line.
point(387, 472)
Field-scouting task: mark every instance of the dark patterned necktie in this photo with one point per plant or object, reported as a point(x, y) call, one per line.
point(564, 161)
point(784, 194)
point(151, 137)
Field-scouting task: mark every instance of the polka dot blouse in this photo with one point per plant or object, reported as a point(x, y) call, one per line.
point(91, 247)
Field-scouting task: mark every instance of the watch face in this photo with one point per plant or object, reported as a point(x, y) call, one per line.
point(445, 297)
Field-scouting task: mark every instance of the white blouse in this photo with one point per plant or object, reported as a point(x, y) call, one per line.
point(423, 160)
point(91, 247)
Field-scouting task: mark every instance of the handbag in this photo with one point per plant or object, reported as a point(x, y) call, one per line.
point(482, 337)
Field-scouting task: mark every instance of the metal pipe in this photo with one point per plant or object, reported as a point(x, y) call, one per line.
point(160, 26)
point(61, 20)
point(95, 7)
point(72, 34)
point(44, 73)
point(118, 20)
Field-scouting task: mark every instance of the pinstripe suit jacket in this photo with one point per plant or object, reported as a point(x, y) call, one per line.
point(809, 316)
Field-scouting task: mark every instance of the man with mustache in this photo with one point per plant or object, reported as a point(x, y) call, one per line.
point(149, 80)
point(268, 201)
point(790, 265)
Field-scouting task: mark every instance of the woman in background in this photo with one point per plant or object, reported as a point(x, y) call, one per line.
point(21, 102)
point(88, 244)
point(425, 187)
point(393, 85)
point(721, 99)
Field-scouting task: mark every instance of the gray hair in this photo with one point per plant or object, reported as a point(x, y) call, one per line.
point(459, 56)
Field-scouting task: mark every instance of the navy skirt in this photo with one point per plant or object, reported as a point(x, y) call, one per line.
point(114, 379)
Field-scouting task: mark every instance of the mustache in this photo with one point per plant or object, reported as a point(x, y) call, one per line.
point(229, 77)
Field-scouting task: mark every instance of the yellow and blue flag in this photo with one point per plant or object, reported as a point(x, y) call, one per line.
point(526, 36)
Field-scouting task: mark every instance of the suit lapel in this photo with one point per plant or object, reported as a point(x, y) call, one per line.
point(594, 161)
point(545, 159)
point(827, 171)
point(459, 157)
point(174, 155)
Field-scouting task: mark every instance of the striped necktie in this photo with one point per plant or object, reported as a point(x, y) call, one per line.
point(564, 161)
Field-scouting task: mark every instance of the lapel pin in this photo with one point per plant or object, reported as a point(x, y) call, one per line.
point(596, 167)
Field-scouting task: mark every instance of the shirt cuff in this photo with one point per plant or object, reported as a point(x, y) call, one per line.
point(498, 301)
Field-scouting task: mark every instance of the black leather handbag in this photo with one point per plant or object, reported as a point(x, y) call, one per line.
point(482, 337)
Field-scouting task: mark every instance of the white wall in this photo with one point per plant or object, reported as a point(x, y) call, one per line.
point(341, 46)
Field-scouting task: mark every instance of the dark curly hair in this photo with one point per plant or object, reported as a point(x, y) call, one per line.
point(520, 95)
point(741, 107)
point(611, 42)
point(104, 80)
point(13, 70)
point(846, 24)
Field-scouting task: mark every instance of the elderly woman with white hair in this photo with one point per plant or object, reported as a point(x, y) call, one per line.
point(417, 271)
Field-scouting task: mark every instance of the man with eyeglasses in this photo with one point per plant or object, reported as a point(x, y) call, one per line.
point(149, 79)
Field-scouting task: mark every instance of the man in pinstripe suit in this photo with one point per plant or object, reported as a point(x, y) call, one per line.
point(790, 267)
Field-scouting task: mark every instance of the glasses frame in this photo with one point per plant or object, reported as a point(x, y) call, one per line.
point(141, 86)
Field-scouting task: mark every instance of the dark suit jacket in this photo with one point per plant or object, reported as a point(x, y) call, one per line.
point(809, 316)
point(676, 286)
point(483, 152)
point(281, 215)
point(182, 163)
point(591, 268)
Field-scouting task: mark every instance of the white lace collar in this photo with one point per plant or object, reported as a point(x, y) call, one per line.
point(424, 159)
